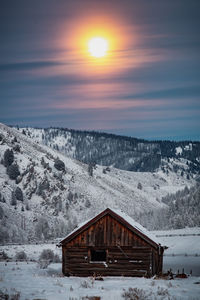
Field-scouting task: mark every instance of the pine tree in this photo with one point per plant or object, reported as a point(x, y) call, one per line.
point(8, 157)
point(13, 171)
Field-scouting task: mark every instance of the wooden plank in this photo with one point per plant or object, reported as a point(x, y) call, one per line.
point(104, 231)
point(76, 248)
point(77, 254)
point(127, 258)
point(111, 230)
point(126, 253)
point(105, 273)
point(76, 260)
point(126, 262)
point(136, 249)
point(112, 248)
point(128, 266)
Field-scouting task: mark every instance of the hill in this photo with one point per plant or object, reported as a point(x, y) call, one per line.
point(44, 194)
point(121, 152)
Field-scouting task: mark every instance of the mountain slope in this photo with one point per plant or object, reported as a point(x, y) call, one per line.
point(122, 152)
point(57, 191)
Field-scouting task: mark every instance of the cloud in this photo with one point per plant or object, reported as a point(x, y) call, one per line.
point(31, 65)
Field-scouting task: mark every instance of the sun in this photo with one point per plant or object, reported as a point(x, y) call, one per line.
point(98, 46)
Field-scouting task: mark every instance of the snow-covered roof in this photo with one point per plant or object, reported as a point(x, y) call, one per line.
point(122, 215)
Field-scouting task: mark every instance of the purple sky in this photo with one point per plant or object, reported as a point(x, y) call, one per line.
point(148, 86)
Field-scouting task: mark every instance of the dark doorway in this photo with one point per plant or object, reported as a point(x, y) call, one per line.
point(98, 255)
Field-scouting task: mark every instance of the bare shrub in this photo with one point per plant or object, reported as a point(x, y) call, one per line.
point(15, 296)
point(43, 264)
point(135, 294)
point(56, 259)
point(85, 284)
point(87, 203)
point(162, 291)
point(16, 148)
point(3, 256)
point(21, 255)
point(169, 284)
point(47, 256)
point(5, 295)
point(153, 283)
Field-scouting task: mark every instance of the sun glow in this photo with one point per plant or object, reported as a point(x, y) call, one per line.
point(98, 46)
point(97, 42)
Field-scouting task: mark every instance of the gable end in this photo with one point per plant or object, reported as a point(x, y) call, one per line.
point(115, 216)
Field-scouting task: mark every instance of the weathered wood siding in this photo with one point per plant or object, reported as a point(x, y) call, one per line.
point(107, 232)
point(127, 253)
point(128, 262)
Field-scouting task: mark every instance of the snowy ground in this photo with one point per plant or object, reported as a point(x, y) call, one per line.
point(188, 263)
point(180, 241)
point(49, 284)
point(32, 250)
point(183, 251)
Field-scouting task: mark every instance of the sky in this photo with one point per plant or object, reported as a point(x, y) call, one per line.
point(147, 85)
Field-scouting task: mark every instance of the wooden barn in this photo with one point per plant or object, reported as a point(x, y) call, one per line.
point(111, 244)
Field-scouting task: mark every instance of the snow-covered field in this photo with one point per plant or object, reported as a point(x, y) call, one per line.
point(34, 283)
point(183, 251)
point(188, 263)
point(180, 241)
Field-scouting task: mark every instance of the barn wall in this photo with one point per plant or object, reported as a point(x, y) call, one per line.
point(127, 261)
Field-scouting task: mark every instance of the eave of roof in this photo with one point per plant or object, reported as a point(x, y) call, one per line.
point(120, 218)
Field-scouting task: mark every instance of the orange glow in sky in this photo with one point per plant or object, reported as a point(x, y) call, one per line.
point(95, 42)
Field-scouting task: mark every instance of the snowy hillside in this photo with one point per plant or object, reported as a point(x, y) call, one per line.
point(126, 153)
point(44, 194)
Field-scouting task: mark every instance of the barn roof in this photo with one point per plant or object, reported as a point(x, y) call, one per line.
point(121, 217)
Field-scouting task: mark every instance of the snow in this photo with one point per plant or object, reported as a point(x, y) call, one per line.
point(180, 262)
point(179, 150)
point(188, 147)
point(34, 283)
point(180, 241)
point(32, 251)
